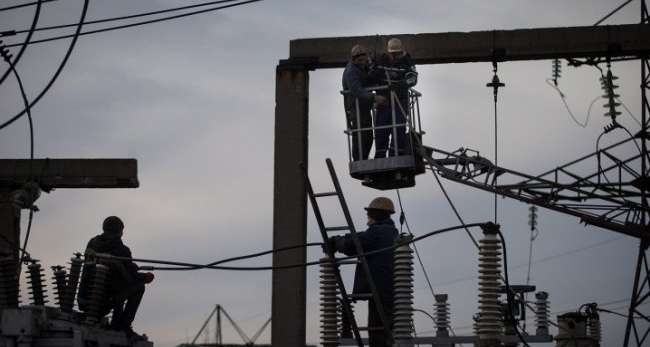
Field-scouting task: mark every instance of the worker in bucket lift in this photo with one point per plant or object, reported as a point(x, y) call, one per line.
point(125, 285)
point(355, 79)
point(381, 233)
point(395, 69)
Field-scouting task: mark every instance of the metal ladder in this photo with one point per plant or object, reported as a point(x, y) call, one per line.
point(345, 298)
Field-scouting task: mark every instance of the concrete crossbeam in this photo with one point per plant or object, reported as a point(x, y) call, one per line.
point(481, 46)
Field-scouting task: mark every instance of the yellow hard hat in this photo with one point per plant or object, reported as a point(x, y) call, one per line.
point(394, 45)
point(382, 203)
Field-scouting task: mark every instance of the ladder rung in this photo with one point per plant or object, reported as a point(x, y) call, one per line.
point(347, 262)
point(371, 328)
point(337, 228)
point(355, 297)
point(318, 195)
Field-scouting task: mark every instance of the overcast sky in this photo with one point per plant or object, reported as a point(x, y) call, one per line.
point(193, 101)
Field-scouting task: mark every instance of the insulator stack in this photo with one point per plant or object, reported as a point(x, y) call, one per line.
point(541, 313)
point(594, 329)
point(608, 86)
point(58, 282)
point(403, 290)
point(490, 317)
point(96, 298)
point(329, 310)
point(71, 285)
point(442, 315)
point(8, 283)
point(557, 70)
point(37, 290)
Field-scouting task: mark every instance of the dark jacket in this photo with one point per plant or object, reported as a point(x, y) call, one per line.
point(355, 79)
point(379, 235)
point(122, 274)
point(398, 81)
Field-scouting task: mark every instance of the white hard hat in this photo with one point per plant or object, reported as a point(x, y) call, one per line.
point(394, 45)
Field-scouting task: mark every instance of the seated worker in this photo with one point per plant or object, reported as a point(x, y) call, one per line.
point(396, 69)
point(125, 285)
point(381, 233)
point(355, 80)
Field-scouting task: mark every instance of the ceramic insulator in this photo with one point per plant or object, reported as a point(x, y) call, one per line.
point(403, 291)
point(490, 317)
point(329, 308)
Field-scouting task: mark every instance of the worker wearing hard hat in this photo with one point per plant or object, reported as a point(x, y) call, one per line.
point(395, 69)
point(381, 233)
point(355, 80)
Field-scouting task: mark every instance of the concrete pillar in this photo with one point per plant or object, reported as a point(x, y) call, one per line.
point(290, 205)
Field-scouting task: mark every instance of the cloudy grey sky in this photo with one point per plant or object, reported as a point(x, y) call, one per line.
point(193, 101)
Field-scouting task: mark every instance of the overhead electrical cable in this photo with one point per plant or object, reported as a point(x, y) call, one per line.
point(58, 71)
point(37, 15)
point(613, 12)
point(131, 16)
point(417, 253)
point(4, 52)
point(130, 25)
point(216, 265)
point(37, 3)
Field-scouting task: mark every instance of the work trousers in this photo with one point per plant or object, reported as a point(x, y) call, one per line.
point(125, 303)
point(377, 337)
point(361, 140)
point(382, 136)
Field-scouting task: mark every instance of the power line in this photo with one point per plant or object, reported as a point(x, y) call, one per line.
point(140, 23)
point(38, 3)
point(216, 265)
point(58, 71)
point(137, 15)
point(37, 15)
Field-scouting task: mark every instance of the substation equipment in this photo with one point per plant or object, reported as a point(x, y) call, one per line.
point(39, 323)
point(620, 205)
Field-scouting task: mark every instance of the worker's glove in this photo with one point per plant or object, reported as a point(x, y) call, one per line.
point(148, 277)
point(331, 244)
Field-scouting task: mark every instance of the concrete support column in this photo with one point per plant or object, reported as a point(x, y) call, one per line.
point(290, 205)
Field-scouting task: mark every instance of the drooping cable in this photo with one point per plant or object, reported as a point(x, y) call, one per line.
point(6, 56)
point(508, 291)
point(216, 265)
point(58, 71)
point(566, 105)
point(37, 3)
point(131, 16)
point(37, 15)
point(404, 221)
point(90, 32)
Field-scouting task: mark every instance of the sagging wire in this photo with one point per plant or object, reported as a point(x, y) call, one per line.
point(37, 3)
point(403, 221)
point(507, 281)
point(141, 23)
point(131, 16)
point(37, 15)
point(58, 71)
point(6, 56)
point(217, 264)
point(553, 83)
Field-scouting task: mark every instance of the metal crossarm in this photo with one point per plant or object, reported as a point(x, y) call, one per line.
point(593, 198)
point(345, 298)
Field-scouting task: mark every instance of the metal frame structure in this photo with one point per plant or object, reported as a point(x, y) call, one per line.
point(291, 136)
point(641, 287)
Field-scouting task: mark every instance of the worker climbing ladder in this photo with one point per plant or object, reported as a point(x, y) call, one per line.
point(332, 261)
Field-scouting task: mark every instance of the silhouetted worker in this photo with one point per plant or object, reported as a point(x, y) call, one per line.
point(125, 285)
point(381, 233)
point(355, 80)
point(395, 69)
